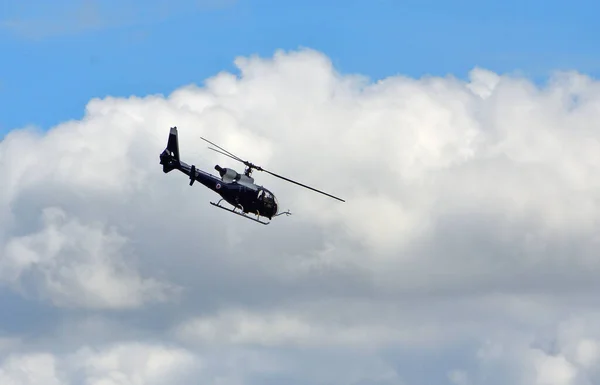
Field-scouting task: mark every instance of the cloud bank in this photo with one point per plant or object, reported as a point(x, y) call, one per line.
point(465, 253)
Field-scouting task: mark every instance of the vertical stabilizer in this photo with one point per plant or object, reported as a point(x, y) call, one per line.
point(169, 158)
point(173, 144)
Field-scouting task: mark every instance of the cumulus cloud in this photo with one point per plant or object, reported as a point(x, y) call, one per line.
point(76, 265)
point(127, 364)
point(465, 253)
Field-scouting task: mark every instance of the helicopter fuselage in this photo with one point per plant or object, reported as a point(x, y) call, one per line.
point(239, 190)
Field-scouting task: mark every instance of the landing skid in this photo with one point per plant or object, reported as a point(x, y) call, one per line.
point(240, 213)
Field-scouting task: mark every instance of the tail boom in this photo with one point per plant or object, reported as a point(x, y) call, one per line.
point(170, 160)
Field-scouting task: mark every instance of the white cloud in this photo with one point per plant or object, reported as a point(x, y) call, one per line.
point(32, 369)
point(125, 364)
point(294, 329)
point(135, 364)
point(470, 225)
point(458, 377)
point(77, 265)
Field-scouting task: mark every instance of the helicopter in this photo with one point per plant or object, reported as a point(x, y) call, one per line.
point(239, 190)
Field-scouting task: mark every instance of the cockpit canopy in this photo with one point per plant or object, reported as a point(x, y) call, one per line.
point(268, 199)
point(265, 195)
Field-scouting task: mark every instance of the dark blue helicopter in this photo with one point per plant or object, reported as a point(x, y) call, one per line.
point(239, 190)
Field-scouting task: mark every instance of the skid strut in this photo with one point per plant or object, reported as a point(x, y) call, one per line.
point(241, 213)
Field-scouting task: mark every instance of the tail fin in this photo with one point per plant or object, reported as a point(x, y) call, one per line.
point(169, 158)
point(173, 143)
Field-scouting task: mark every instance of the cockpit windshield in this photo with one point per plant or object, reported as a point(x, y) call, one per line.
point(268, 201)
point(265, 195)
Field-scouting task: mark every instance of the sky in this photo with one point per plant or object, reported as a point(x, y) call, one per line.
point(60, 54)
point(463, 138)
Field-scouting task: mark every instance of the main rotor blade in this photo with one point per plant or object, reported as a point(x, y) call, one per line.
point(223, 153)
point(235, 157)
point(303, 185)
point(222, 149)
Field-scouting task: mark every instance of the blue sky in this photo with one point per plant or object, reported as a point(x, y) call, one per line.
point(58, 55)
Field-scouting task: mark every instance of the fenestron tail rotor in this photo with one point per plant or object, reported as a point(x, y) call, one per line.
point(222, 151)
